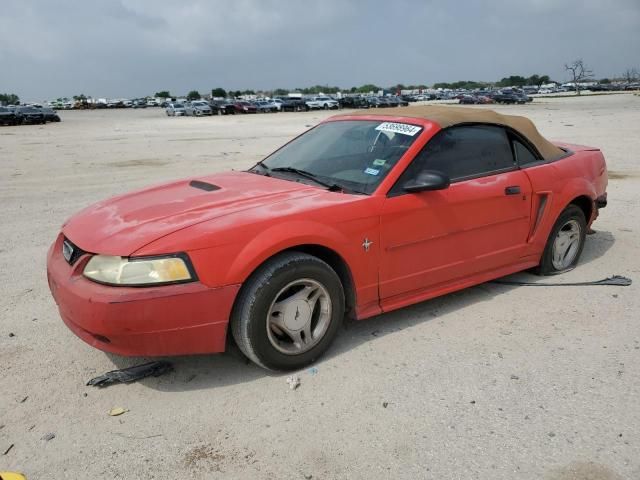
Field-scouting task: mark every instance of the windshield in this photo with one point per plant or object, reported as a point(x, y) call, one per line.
point(353, 154)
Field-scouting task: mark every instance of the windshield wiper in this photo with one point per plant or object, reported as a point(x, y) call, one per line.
point(334, 187)
point(261, 165)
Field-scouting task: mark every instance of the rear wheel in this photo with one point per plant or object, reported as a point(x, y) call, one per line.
point(288, 312)
point(565, 243)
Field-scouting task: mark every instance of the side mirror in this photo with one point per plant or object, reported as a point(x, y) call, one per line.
point(427, 180)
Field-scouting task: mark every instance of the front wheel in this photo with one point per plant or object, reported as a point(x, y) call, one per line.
point(565, 243)
point(288, 312)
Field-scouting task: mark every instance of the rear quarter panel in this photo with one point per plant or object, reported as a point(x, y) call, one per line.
point(583, 173)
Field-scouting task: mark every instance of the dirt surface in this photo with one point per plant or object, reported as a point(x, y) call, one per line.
point(494, 382)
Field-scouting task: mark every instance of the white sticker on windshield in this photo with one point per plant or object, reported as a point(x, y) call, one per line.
point(372, 171)
point(402, 128)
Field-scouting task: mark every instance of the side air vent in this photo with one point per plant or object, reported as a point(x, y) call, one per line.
point(207, 187)
point(542, 203)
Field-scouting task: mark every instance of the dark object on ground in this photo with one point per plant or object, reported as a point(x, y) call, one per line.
point(131, 374)
point(616, 280)
point(9, 449)
point(49, 436)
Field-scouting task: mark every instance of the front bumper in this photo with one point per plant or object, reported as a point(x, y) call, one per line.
point(182, 319)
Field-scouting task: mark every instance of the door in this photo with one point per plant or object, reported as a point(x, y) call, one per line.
point(479, 223)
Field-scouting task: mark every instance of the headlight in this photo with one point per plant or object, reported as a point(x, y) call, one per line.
point(139, 271)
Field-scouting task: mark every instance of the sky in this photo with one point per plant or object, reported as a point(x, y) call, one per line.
point(130, 48)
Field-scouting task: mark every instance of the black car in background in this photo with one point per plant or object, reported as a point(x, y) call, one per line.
point(222, 107)
point(8, 117)
point(354, 102)
point(292, 104)
point(511, 96)
point(396, 102)
point(50, 115)
point(30, 115)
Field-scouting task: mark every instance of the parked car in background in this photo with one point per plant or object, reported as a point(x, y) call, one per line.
point(511, 96)
point(394, 101)
point(197, 108)
point(50, 115)
point(354, 102)
point(377, 102)
point(266, 106)
point(223, 107)
point(175, 110)
point(244, 107)
point(8, 117)
point(485, 99)
point(290, 104)
point(326, 103)
point(468, 100)
point(30, 115)
point(507, 98)
point(138, 103)
point(278, 103)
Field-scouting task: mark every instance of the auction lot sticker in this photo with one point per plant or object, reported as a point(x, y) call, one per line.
point(402, 128)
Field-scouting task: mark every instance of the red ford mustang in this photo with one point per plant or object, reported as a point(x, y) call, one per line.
point(362, 214)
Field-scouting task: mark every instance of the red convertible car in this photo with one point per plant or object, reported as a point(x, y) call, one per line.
point(363, 214)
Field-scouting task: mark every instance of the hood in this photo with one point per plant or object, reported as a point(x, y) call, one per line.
point(124, 224)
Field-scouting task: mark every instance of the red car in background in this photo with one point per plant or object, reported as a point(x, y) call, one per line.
point(363, 214)
point(245, 107)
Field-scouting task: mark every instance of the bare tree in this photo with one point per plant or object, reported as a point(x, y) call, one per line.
point(579, 73)
point(631, 75)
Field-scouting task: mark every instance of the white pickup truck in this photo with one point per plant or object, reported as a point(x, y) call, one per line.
point(317, 103)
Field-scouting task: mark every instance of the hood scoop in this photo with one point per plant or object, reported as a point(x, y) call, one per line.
point(207, 187)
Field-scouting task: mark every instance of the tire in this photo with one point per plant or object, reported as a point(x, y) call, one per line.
point(570, 223)
point(288, 279)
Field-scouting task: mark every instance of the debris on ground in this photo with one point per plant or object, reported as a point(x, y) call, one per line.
point(313, 371)
point(515, 377)
point(24, 399)
point(615, 280)
point(11, 334)
point(49, 436)
point(12, 476)
point(293, 381)
point(9, 449)
point(131, 374)
point(385, 404)
point(115, 411)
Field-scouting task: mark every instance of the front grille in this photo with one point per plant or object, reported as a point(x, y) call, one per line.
point(71, 252)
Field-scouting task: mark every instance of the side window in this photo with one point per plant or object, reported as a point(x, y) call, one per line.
point(462, 152)
point(524, 156)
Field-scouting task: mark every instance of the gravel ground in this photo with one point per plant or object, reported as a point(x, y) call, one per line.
point(493, 382)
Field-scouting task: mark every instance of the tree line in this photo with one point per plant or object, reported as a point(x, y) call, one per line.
point(9, 99)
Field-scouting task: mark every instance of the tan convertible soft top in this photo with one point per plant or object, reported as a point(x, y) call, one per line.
point(446, 116)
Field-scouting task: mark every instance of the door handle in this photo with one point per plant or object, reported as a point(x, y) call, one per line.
point(512, 190)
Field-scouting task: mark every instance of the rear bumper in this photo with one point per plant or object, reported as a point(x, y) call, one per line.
point(180, 319)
